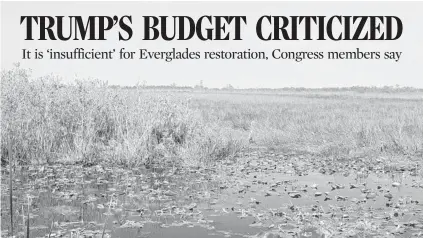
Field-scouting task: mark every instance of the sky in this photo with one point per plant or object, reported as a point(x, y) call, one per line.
point(270, 73)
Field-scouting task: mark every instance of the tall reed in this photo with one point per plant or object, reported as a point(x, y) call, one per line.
point(10, 153)
point(90, 122)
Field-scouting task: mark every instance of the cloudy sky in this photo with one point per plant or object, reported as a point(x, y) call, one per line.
point(218, 73)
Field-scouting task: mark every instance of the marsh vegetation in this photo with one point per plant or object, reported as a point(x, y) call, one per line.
point(85, 159)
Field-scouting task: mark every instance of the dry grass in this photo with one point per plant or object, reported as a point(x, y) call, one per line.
point(88, 121)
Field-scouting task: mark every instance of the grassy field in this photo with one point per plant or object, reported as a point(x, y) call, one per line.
point(329, 125)
point(46, 121)
point(85, 159)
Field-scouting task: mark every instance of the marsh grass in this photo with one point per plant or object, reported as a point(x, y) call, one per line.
point(340, 127)
point(89, 122)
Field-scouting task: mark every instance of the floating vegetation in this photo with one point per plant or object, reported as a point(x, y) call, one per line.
point(274, 201)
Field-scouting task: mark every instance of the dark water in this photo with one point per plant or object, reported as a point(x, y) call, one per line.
point(256, 196)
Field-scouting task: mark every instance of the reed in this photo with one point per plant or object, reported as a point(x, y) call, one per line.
point(91, 122)
point(10, 153)
point(51, 227)
point(27, 217)
point(108, 215)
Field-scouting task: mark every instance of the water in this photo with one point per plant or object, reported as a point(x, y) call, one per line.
point(283, 195)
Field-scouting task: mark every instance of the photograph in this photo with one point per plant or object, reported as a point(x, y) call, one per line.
point(191, 119)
